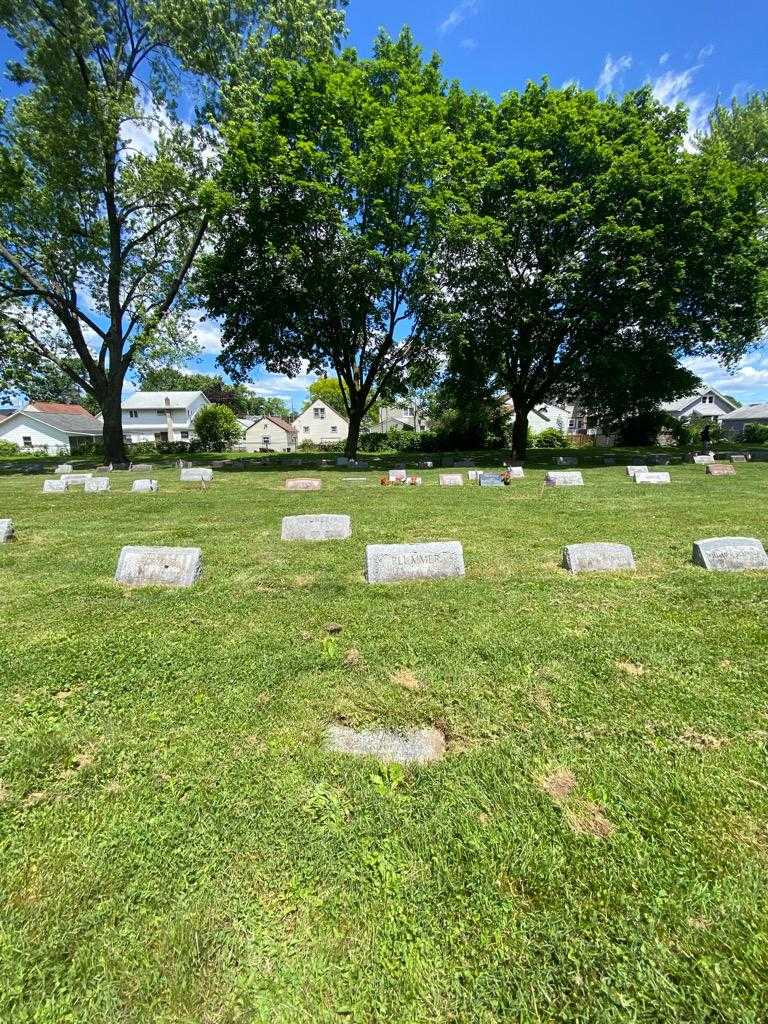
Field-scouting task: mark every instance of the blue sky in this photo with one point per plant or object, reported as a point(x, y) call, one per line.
point(690, 51)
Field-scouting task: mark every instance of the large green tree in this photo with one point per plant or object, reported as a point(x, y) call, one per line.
point(329, 197)
point(591, 244)
point(102, 207)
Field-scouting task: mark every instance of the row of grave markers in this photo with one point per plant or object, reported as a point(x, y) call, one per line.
point(392, 563)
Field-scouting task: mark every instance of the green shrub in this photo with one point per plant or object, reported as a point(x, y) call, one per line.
point(551, 438)
point(217, 428)
point(7, 448)
point(755, 433)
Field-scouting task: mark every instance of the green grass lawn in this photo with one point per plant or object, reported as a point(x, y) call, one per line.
point(177, 847)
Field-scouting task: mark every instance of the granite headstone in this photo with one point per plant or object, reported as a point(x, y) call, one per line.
point(598, 557)
point(730, 554)
point(303, 484)
point(393, 563)
point(564, 480)
point(159, 566)
point(316, 527)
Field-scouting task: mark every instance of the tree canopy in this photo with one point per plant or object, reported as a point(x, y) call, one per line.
point(102, 198)
point(326, 219)
point(591, 245)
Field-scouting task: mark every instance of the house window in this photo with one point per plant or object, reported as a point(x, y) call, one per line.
point(161, 412)
point(133, 414)
point(319, 412)
point(27, 442)
point(265, 440)
point(306, 430)
point(184, 435)
point(334, 430)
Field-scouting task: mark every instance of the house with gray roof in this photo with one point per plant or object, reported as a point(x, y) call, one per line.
point(705, 403)
point(52, 428)
point(734, 422)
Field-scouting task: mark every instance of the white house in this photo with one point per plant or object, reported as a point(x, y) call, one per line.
point(734, 422)
point(161, 415)
point(705, 402)
point(320, 424)
point(272, 432)
point(397, 417)
point(51, 427)
point(547, 417)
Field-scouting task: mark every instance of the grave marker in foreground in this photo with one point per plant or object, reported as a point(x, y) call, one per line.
point(317, 527)
point(95, 484)
point(721, 469)
point(564, 480)
point(54, 486)
point(394, 563)
point(7, 531)
point(159, 566)
point(730, 554)
point(598, 557)
point(196, 474)
point(303, 485)
point(652, 478)
point(414, 746)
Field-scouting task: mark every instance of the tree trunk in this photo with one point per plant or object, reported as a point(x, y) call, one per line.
point(353, 437)
point(112, 434)
point(520, 432)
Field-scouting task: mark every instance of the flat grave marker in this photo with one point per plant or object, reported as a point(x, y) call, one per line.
point(7, 531)
point(54, 486)
point(96, 484)
point(412, 746)
point(196, 474)
point(451, 480)
point(76, 479)
point(316, 528)
point(159, 566)
point(631, 470)
point(396, 563)
point(730, 554)
point(721, 469)
point(704, 460)
point(515, 472)
point(738, 458)
point(564, 480)
point(652, 478)
point(303, 484)
point(490, 480)
point(144, 486)
point(397, 476)
point(598, 557)
point(65, 467)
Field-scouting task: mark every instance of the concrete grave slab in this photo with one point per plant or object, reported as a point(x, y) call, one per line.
point(412, 746)
point(197, 474)
point(631, 470)
point(159, 566)
point(141, 467)
point(316, 527)
point(721, 469)
point(515, 472)
point(75, 479)
point(704, 460)
point(564, 480)
point(395, 563)
point(300, 484)
point(598, 557)
point(730, 554)
point(738, 458)
point(652, 478)
point(451, 480)
point(54, 486)
point(7, 531)
point(144, 485)
point(397, 476)
point(96, 484)
point(65, 467)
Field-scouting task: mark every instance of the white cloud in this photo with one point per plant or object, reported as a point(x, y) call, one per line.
point(468, 44)
point(676, 87)
point(458, 14)
point(747, 381)
point(664, 58)
point(612, 69)
point(207, 333)
point(706, 51)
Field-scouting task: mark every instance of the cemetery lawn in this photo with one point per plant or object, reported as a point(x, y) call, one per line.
point(176, 846)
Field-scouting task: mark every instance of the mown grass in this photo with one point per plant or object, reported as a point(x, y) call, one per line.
point(178, 848)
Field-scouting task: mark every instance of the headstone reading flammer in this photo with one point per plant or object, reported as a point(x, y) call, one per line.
point(730, 554)
point(318, 527)
point(598, 558)
point(159, 566)
point(413, 746)
point(394, 563)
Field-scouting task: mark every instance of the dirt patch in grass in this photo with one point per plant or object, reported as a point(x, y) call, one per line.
point(631, 668)
point(406, 679)
point(542, 699)
point(701, 741)
point(589, 820)
point(334, 628)
point(5, 793)
point(34, 798)
point(303, 581)
point(353, 658)
point(558, 784)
